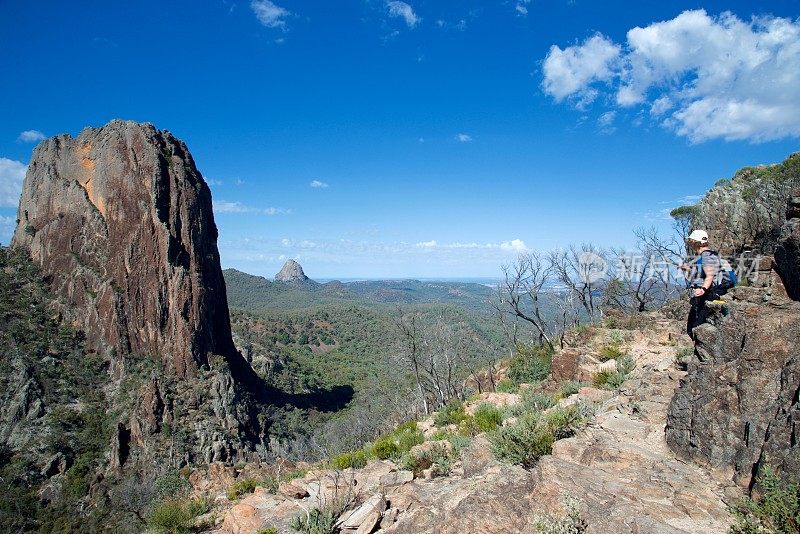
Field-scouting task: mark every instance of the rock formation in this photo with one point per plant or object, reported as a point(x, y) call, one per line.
point(747, 211)
point(739, 407)
point(291, 272)
point(787, 253)
point(119, 220)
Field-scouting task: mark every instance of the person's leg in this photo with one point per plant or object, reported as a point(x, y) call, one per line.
point(690, 321)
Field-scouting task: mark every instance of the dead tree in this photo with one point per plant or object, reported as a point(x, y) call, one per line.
point(581, 270)
point(520, 292)
point(408, 324)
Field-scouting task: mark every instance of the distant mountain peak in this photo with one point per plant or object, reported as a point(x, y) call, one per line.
point(291, 272)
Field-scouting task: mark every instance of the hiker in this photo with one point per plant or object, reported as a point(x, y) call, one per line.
point(711, 278)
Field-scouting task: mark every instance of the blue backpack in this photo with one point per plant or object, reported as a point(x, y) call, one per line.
point(728, 278)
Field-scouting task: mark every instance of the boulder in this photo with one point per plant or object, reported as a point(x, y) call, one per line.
point(293, 491)
point(363, 519)
point(396, 478)
point(495, 398)
point(738, 408)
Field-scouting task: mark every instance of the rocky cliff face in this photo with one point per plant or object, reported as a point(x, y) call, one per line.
point(121, 221)
point(747, 211)
point(291, 272)
point(787, 252)
point(738, 408)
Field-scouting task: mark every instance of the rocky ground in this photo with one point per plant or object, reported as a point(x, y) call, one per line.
point(618, 469)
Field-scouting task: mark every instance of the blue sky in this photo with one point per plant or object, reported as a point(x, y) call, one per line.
point(371, 138)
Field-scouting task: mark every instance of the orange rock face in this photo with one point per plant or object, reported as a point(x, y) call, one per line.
point(120, 220)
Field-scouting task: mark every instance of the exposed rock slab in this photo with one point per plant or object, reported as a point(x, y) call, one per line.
point(120, 220)
point(738, 407)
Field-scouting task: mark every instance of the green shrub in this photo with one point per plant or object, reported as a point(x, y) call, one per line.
point(451, 413)
point(487, 417)
point(170, 516)
point(563, 422)
point(611, 351)
point(524, 442)
point(272, 482)
point(613, 380)
point(268, 530)
point(172, 484)
point(534, 401)
point(347, 460)
point(441, 434)
point(530, 364)
point(459, 443)
point(415, 464)
point(776, 510)
point(240, 487)
point(506, 386)
point(626, 365)
point(385, 448)
point(199, 506)
point(616, 337)
point(408, 438)
point(683, 355)
point(468, 428)
point(571, 387)
point(440, 460)
point(570, 523)
point(317, 522)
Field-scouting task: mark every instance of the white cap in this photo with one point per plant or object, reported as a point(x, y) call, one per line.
point(699, 236)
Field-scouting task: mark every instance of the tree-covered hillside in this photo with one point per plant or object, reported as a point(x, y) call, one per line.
point(337, 355)
point(255, 293)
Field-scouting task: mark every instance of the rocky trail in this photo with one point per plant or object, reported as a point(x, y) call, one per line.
point(618, 469)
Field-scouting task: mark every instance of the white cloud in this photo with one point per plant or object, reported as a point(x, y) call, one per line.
point(318, 184)
point(605, 122)
point(515, 245)
point(401, 9)
point(660, 106)
point(461, 25)
point(213, 181)
point(269, 14)
point(606, 119)
point(569, 72)
point(463, 138)
point(224, 206)
point(701, 76)
point(11, 175)
point(521, 7)
point(31, 136)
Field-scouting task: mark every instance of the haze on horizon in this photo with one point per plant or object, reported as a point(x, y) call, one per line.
point(389, 139)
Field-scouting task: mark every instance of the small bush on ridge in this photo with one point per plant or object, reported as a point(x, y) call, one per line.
point(451, 413)
point(240, 487)
point(487, 417)
point(530, 364)
point(776, 510)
